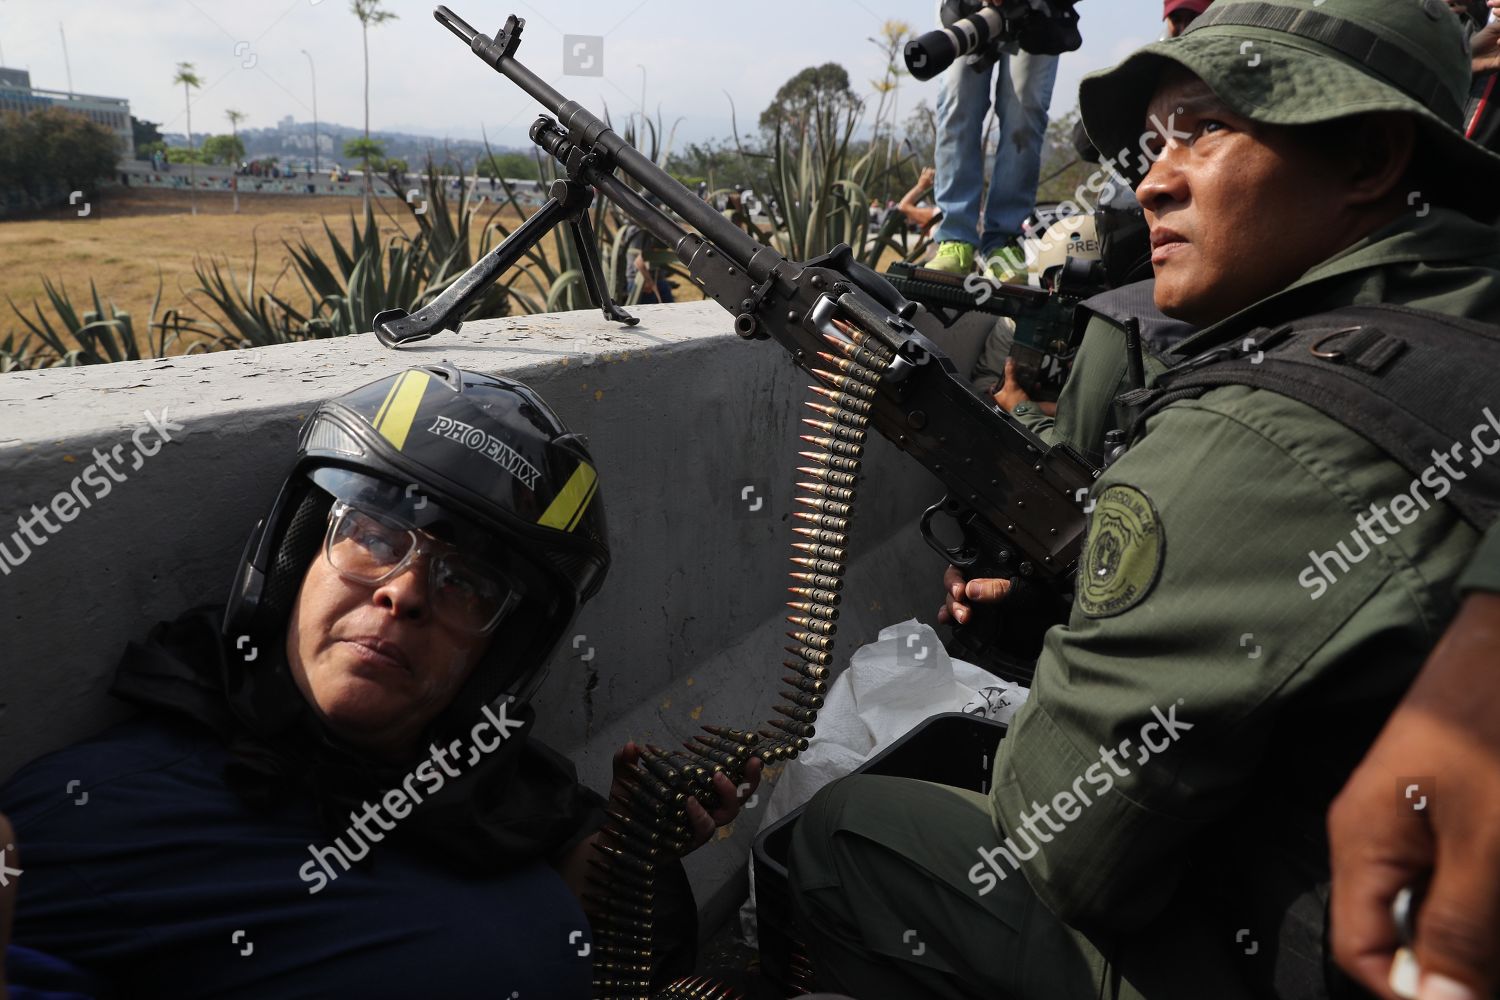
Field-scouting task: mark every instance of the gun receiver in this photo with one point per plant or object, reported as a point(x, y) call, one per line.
point(1016, 501)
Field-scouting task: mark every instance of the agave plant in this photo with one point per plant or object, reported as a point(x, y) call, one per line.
point(19, 356)
point(557, 284)
point(95, 336)
point(249, 319)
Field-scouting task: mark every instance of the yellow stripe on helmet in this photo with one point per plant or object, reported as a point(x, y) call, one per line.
point(394, 419)
point(567, 508)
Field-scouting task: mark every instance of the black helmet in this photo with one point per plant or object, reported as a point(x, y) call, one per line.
point(479, 457)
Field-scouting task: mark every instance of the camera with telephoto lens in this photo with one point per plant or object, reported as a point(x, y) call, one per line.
point(1041, 27)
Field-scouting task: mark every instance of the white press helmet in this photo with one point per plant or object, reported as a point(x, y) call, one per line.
point(1071, 236)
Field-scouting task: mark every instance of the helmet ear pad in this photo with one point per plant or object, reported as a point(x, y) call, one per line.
point(300, 545)
point(262, 687)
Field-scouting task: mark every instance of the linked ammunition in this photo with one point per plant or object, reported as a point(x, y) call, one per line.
point(816, 610)
point(849, 465)
point(848, 449)
point(863, 339)
point(616, 906)
point(822, 535)
point(826, 597)
point(657, 791)
point(810, 639)
point(728, 761)
point(839, 432)
point(812, 656)
point(818, 625)
point(831, 476)
point(839, 493)
point(636, 849)
point(621, 968)
point(824, 566)
point(793, 740)
point(858, 357)
point(738, 736)
point(820, 551)
point(845, 384)
point(801, 730)
point(823, 506)
point(815, 685)
point(844, 400)
point(622, 929)
point(842, 416)
point(812, 671)
point(619, 857)
point(794, 712)
point(655, 762)
point(819, 580)
point(634, 828)
point(720, 745)
point(850, 368)
point(812, 701)
point(614, 874)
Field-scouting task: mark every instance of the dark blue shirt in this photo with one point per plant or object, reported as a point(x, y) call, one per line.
point(142, 868)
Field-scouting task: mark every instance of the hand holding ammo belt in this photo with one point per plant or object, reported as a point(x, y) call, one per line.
point(1015, 503)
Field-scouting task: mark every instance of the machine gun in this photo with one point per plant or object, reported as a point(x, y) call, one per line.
point(1015, 502)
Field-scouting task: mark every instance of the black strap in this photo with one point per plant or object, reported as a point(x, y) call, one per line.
point(1411, 76)
point(1409, 381)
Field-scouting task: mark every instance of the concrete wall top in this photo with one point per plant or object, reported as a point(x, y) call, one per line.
point(40, 409)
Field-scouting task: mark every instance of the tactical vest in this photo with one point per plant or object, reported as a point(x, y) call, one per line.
point(1416, 384)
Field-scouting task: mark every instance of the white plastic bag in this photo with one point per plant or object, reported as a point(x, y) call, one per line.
point(891, 685)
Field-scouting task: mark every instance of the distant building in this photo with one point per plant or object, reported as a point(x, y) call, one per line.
point(17, 94)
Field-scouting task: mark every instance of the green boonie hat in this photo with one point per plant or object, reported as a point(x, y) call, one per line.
point(1300, 62)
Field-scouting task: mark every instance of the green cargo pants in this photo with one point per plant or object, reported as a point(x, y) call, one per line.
point(879, 873)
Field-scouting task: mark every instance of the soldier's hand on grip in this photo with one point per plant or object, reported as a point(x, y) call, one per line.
point(960, 595)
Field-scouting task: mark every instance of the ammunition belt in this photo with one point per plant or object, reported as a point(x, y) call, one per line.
point(648, 826)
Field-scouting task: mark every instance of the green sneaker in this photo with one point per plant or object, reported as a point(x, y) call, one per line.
point(954, 257)
point(1007, 264)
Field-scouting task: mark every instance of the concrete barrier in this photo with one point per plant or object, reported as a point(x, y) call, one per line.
point(682, 416)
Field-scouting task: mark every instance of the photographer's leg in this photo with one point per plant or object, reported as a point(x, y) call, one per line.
point(962, 106)
point(1023, 93)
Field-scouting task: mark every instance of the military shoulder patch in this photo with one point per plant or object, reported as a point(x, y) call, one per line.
point(1123, 557)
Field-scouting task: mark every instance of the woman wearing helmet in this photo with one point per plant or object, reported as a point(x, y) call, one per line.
point(332, 789)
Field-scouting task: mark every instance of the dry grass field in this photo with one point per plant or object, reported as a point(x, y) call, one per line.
point(131, 236)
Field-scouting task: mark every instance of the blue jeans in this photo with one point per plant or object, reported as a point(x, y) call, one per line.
point(1023, 92)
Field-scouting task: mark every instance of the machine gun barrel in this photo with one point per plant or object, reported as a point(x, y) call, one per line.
point(589, 131)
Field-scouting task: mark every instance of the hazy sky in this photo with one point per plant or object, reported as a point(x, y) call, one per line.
point(422, 79)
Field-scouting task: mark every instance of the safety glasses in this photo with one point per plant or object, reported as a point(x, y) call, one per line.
point(467, 594)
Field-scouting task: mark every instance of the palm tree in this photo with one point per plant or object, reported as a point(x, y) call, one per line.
point(369, 13)
point(188, 78)
point(235, 117)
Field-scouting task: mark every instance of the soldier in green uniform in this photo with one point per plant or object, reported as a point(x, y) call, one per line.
point(1155, 826)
